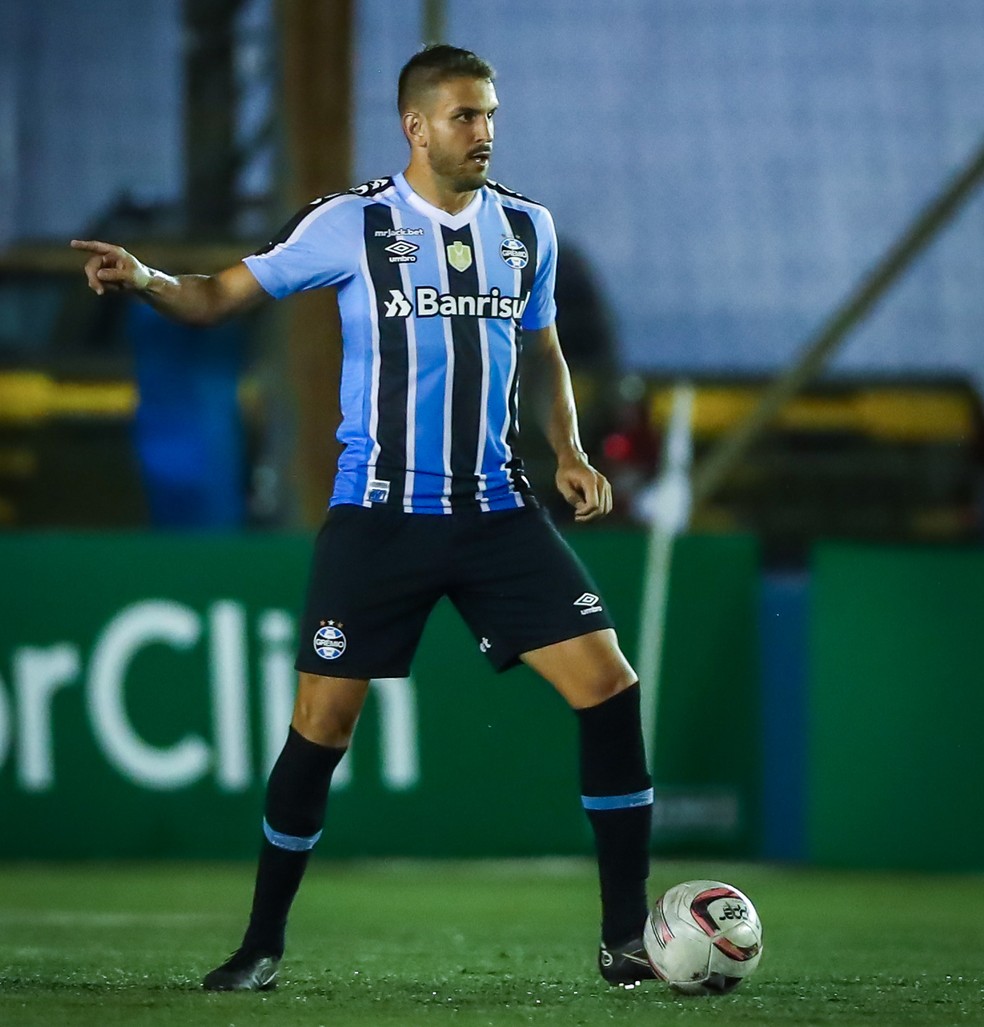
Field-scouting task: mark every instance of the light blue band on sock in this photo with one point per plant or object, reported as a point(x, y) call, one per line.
point(643, 798)
point(289, 841)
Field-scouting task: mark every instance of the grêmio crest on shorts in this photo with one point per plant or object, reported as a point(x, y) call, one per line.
point(433, 308)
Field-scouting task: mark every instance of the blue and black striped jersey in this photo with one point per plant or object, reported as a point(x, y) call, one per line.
point(433, 307)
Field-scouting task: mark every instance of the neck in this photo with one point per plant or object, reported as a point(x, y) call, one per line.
point(436, 191)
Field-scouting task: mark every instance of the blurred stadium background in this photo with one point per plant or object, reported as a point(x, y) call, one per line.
point(723, 175)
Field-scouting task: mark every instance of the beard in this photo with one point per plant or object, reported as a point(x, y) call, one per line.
point(462, 176)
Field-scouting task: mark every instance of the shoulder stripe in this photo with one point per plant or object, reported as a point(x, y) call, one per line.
point(303, 220)
point(372, 188)
point(307, 215)
point(518, 197)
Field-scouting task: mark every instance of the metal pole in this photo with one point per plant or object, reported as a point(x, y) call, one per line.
point(714, 470)
point(433, 21)
point(209, 124)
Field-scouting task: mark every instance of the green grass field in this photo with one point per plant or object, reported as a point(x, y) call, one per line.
point(471, 944)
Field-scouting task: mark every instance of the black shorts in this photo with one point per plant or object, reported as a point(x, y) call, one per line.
point(377, 573)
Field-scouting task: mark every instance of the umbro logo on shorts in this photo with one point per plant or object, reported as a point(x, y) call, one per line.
point(590, 602)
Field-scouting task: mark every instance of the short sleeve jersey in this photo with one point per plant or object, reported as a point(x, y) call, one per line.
point(433, 308)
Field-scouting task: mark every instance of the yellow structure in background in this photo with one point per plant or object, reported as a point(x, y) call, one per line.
point(909, 414)
point(27, 397)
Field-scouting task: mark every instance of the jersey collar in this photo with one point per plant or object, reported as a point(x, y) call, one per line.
point(452, 221)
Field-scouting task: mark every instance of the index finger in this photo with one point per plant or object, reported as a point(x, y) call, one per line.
point(93, 245)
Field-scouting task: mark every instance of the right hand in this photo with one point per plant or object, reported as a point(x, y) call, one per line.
point(112, 267)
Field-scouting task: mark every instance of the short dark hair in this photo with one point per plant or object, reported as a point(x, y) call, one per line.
point(435, 64)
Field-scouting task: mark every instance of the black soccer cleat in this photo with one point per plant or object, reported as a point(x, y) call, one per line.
point(626, 965)
point(244, 970)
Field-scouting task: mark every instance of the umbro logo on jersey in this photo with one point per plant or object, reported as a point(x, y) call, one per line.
point(402, 252)
point(590, 602)
point(431, 303)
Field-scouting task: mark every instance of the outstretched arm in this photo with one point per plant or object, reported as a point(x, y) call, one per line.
point(191, 299)
point(586, 489)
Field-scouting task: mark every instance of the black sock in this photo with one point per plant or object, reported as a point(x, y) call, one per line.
point(296, 797)
point(617, 794)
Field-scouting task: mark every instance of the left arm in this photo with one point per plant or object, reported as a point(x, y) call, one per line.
point(578, 482)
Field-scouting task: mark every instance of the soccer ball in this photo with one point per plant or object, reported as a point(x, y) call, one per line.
point(703, 938)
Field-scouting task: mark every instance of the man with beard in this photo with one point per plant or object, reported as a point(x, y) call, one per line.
point(441, 275)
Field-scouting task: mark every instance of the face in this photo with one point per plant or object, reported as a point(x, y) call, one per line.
point(457, 130)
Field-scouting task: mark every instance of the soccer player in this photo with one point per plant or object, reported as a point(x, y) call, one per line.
point(441, 275)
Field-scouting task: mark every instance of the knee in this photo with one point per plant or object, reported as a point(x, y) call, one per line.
point(603, 677)
point(608, 681)
point(324, 727)
point(326, 712)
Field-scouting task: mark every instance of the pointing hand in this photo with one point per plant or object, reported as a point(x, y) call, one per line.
point(112, 267)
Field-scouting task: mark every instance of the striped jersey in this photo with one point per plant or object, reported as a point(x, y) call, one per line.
point(433, 307)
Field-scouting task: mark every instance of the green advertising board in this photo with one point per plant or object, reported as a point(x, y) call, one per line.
point(146, 684)
point(707, 759)
point(896, 707)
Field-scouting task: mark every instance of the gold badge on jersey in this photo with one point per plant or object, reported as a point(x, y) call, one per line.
point(459, 255)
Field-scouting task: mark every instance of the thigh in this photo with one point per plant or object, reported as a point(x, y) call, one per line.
point(373, 583)
point(586, 670)
point(522, 588)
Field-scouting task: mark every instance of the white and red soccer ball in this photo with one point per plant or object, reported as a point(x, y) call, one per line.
point(703, 937)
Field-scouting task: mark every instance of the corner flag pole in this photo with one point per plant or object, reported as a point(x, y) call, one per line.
point(669, 511)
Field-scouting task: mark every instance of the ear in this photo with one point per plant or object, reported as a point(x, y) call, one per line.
point(414, 129)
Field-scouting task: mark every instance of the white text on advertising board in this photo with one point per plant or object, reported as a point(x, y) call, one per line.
point(214, 647)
